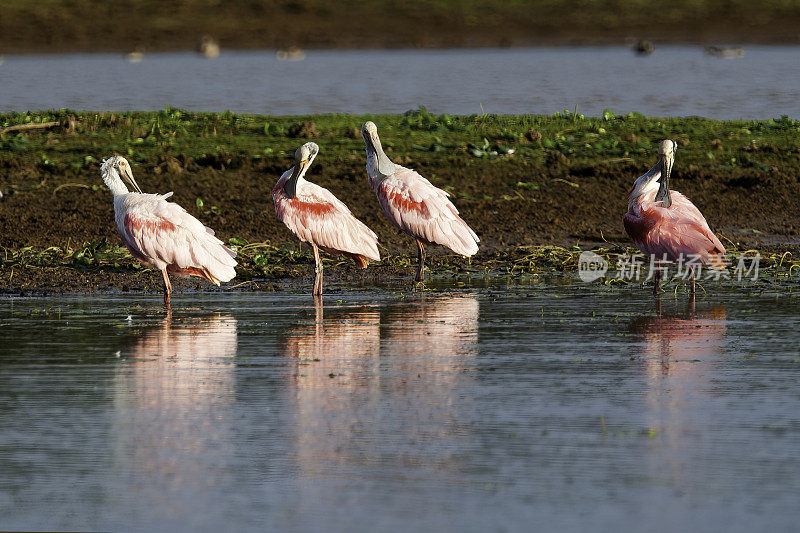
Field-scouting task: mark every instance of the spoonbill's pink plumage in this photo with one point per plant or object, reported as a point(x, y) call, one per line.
point(665, 224)
point(414, 204)
point(314, 215)
point(162, 235)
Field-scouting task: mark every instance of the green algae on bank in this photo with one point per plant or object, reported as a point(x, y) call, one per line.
point(100, 267)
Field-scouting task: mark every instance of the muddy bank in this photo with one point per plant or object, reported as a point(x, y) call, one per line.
point(744, 207)
point(569, 205)
point(150, 25)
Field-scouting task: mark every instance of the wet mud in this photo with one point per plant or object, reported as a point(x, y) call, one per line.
point(573, 206)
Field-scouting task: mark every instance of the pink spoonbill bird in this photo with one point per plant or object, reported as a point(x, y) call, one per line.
point(664, 224)
point(161, 234)
point(414, 205)
point(317, 217)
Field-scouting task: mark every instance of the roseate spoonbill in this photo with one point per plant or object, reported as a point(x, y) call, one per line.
point(161, 234)
point(317, 217)
point(665, 224)
point(414, 205)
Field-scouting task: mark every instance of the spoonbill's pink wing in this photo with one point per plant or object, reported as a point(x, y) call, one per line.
point(316, 216)
point(677, 231)
point(166, 236)
point(423, 211)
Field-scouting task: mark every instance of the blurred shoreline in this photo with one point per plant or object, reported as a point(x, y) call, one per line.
point(149, 26)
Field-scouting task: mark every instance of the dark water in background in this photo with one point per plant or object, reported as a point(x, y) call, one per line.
point(674, 81)
point(554, 407)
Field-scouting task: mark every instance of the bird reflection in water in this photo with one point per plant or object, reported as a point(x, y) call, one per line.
point(673, 339)
point(174, 392)
point(682, 358)
point(377, 386)
point(347, 342)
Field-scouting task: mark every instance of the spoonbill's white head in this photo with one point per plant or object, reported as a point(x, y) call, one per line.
point(375, 155)
point(369, 129)
point(113, 170)
point(666, 157)
point(303, 157)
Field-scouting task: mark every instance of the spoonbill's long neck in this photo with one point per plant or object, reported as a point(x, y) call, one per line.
point(114, 182)
point(645, 184)
point(377, 161)
point(294, 184)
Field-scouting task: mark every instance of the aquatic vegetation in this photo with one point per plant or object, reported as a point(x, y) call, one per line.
point(266, 262)
point(97, 255)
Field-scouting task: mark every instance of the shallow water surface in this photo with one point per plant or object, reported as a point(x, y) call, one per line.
point(674, 81)
point(491, 409)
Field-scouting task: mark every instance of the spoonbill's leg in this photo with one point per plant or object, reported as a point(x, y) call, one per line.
point(318, 271)
point(167, 288)
point(656, 282)
point(319, 310)
point(691, 283)
point(319, 313)
point(421, 266)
